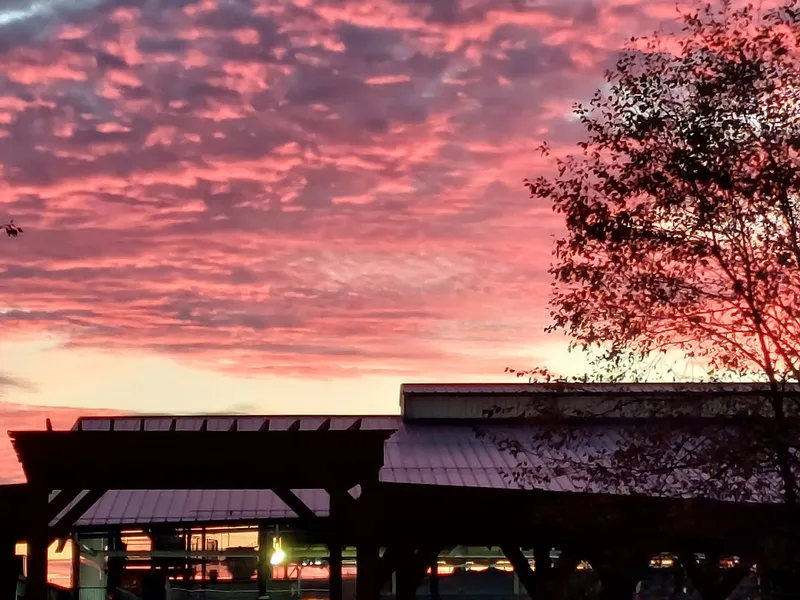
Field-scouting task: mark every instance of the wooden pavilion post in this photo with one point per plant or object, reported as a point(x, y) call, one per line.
point(368, 565)
point(9, 565)
point(339, 505)
point(38, 540)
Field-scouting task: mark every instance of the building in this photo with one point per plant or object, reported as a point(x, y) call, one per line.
point(464, 493)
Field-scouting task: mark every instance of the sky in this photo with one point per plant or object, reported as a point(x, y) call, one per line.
point(270, 206)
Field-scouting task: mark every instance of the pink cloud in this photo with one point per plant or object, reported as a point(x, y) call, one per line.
point(294, 187)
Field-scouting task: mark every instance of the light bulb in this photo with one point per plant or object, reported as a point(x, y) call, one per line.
point(278, 556)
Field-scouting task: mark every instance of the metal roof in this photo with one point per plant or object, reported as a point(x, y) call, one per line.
point(590, 388)
point(140, 507)
point(449, 454)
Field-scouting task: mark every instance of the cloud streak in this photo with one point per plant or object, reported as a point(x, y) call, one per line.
point(314, 187)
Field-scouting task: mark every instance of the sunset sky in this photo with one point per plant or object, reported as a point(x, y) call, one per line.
point(270, 206)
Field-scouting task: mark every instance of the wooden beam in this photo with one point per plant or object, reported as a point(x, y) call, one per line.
point(523, 569)
point(67, 522)
point(387, 564)
point(60, 502)
point(299, 507)
point(423, 558)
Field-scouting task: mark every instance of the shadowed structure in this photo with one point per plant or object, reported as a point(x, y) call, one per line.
point(399, 490)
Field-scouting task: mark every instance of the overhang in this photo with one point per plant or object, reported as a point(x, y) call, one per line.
point(199, 459)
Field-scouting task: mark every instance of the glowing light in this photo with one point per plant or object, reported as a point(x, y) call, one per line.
point(278, 554)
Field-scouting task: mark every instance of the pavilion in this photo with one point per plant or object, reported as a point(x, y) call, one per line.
point(391, 498)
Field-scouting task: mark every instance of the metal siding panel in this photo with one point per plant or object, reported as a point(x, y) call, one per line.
point(219, 423)
point(117, 506)
point(342, 423)
point(407, 454)
point(440, 477)
point(440, 456)
point(235, 504)
point(428, 476)
point(103, 508)
point(496, 480)
point(176, 510)
point(481, 477)
point(206, 505)
point(142, 504)
point(392, 454)
point(92, 508)
point(117, 511)
point(162, 504)
point(454, 477)
point(311, 423)
point(460, 456)
point(162, 424)
point(192, 505)
point(372, 423)
point(446, 458)
point(264, 503)
point(480, 453)
point(414, 475)
point(132, 508)
point(280, 423)
point(250, 423)
point(390, 475)
point(424, 450)
point(250, 503)
point(220, 507)
point(189, 423)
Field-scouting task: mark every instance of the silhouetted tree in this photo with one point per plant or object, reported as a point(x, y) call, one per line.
point(682, 214)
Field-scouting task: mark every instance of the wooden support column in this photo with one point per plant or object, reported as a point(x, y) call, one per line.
point(619, 572)
point(434, 580)
point(76, 565)
point(541, 556)
point(368, 557)
point(367, 567)
point(405, 577)
point(335, 580)
point(9, 566)
point(341, 503)
point(411, 570)
point(264, 566)
point(38, 542)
